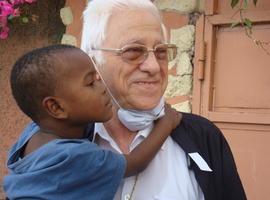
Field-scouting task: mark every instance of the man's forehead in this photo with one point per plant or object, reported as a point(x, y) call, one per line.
point(137, 26)
point(133, 17)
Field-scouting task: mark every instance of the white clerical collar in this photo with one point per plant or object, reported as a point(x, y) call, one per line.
point(101, 131)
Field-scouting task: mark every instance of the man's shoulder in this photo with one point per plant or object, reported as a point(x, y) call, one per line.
point(196, 124)
point(195, 132)
point(198, 134)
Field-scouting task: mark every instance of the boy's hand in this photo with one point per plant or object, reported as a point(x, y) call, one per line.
point(171, 118)
point(138, 159)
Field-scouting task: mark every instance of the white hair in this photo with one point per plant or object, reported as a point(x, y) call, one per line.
point(95, 21)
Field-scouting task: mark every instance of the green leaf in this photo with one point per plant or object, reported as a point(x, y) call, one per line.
point(25, 20)
point(245, 4)
point(234, 24)
point(234, 3)
point(255, 2)
point(10, 17)
point(248, 23)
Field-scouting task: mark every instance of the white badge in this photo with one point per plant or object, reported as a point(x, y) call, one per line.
point(202, 164)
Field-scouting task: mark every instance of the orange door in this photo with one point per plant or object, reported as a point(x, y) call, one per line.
point(232, 87)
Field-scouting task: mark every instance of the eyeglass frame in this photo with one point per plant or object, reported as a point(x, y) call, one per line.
point(119, 51)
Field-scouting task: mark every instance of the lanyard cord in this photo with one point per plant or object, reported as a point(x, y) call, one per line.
point(133, 188)
point(102, 79)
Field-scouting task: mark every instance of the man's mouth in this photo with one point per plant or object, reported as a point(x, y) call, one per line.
point(148, 84)
point(144, 83)
point(147, 81)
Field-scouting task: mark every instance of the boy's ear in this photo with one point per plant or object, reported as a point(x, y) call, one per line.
point(55, 107)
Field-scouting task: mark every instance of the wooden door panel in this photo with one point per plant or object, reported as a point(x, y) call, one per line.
point(239, 77)
point(218, 7)
point(225, 6)
point(232, 88)
point(236, 72)
point(251, 152)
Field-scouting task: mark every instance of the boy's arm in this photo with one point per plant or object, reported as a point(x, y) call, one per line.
point(140, 157)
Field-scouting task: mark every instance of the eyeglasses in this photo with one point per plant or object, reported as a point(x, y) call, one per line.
point(137, 54)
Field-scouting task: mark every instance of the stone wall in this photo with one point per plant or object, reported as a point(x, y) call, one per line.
point(71, 16)
point(181, 28)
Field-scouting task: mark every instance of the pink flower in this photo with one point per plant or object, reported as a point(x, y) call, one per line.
point(16, 12)
point(9, 8)
point(3, 21)
point(16, 2)
point(29, 1)
point(6, 9)
point(4, 32)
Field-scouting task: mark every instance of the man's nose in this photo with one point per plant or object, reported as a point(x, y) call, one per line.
point(150, 65)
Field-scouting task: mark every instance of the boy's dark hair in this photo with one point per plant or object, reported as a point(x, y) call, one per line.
point(33, 78)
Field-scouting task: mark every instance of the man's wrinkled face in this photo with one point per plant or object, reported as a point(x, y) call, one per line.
point(135, 86)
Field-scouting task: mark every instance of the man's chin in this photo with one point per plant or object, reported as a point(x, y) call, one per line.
point(146, 103)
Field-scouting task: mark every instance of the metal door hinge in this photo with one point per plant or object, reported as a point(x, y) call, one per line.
point(201, 60)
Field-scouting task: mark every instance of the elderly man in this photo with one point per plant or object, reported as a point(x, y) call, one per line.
point(127, 40)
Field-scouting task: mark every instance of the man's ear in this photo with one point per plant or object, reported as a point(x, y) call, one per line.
point(55, 107)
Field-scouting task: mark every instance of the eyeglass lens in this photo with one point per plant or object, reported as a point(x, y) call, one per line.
point(138, 54)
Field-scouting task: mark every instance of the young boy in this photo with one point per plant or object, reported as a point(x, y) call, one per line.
point(59, 89)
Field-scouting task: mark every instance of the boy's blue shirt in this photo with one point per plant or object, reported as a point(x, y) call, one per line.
point(62, 169)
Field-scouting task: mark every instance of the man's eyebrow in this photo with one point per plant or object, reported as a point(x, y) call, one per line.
point(139, 41)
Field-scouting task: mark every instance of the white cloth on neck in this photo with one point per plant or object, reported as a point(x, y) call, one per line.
point(136, 120)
